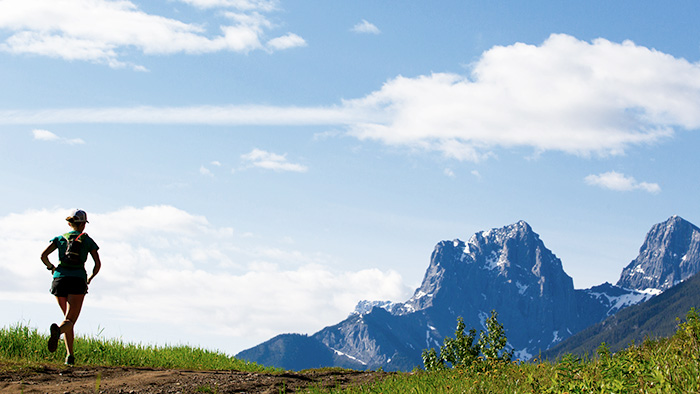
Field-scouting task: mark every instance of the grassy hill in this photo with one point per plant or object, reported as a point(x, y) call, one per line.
point(656, 366)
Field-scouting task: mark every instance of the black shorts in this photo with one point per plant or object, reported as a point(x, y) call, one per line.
point(61, 287)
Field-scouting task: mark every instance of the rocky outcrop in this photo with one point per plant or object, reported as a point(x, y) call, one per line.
point(508, 270)
point(670, 254)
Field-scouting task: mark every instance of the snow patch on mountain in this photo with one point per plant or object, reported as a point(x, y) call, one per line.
point(555, 337)
point(493, 261)
point(364, 307)
point(338, 352)
point(616, 302)
point(522, 354)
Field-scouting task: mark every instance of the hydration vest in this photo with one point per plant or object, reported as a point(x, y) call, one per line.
point(75, 246)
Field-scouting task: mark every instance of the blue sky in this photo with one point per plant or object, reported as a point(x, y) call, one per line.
point(262, 166)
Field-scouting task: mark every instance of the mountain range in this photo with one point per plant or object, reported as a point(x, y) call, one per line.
point(506, 269)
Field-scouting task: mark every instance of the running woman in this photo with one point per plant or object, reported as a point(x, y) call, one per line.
point(70, 280)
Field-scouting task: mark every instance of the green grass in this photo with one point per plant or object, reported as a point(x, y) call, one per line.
point(669, 365)
point(22, 346)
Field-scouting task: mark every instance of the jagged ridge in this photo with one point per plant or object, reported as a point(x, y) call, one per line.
point(508, 269)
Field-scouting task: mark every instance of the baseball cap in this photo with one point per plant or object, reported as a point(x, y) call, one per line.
point(78, 216)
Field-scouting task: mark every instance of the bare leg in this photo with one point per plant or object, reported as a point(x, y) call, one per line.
point(71, 307)
point(63, 303)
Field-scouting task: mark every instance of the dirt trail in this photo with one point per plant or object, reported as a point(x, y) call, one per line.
point(115, 380)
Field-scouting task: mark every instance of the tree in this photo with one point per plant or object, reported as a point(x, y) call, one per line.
point(494, 341)
point(461, 351)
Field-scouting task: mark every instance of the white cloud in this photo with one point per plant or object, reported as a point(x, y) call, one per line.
point(165, 266)
point(287, 41)
point(45, 135)
point(616, 181)
point(102, 31)
point(271, 161)
point(567, 95)
point(365, 27)
point(449, 173)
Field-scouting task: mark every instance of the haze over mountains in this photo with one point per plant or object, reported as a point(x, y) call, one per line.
point(507, 269)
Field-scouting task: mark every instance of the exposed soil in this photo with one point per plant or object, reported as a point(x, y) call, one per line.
point(116, 380)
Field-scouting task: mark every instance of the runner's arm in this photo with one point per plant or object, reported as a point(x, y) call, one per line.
point(45, 256)
point(98, 264)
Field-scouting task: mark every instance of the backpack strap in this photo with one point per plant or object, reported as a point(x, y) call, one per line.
point(68, 238)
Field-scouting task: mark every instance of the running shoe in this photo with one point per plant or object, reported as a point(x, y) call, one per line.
point(53, 339)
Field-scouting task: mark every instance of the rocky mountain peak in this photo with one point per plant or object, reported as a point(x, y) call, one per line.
point(506, 260)
point(517, 253)
point(520, 231)
point(670, 254)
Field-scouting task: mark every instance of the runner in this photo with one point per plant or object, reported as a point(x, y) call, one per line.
point(70, 280)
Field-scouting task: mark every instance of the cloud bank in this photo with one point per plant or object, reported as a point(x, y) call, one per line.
point(564, 95)
point(599, 98)
point(165, 266)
